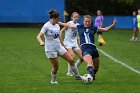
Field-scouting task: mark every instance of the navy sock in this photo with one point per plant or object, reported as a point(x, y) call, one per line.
point(90, 70)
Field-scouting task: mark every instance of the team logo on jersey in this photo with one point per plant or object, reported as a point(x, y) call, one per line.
point(55, 33)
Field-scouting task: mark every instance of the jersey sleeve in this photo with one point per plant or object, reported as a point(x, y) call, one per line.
point(44, 28)
point(79, 26)
point(95, 29)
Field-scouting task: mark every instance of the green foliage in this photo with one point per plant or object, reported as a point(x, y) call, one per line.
point(124, 1)
point(109, 7)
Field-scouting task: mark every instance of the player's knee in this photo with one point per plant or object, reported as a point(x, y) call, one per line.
point(55, 68)
point(71, 62)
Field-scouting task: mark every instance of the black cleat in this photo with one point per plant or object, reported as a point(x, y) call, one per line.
point(78, 78)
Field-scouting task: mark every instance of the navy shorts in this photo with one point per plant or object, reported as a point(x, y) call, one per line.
point(134, 26)
point(90, 49)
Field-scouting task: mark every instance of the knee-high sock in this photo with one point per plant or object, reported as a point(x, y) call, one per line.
point(78, 63)
point(75, 70)
point(90, 70)
point(53, 77)
point(69, 69)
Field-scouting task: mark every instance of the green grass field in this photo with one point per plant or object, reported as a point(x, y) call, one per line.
point(24, 68)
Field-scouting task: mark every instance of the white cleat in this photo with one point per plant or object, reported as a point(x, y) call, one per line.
point(131, 39)
point(54, 82)
point(70, 74)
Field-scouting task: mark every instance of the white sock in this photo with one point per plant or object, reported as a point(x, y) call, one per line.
point(133, 38)
point(75, 70)
point(136, 38)
point(69, 69)
point(53, 77)
point(78, 63)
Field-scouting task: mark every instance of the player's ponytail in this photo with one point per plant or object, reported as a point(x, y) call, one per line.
point(53, 14)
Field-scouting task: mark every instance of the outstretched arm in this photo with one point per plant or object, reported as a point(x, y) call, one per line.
point(61, 35)
point(67, 25)
point(107, 28)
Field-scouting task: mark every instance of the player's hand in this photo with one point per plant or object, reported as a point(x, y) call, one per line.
point(42, 43)
point(114, 22)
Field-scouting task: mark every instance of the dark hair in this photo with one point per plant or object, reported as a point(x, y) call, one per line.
point(53, 14)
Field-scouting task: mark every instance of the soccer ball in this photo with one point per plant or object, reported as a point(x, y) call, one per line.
point(87, 78)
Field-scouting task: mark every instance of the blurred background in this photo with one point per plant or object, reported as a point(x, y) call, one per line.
point(35, 12)
point(24, 67)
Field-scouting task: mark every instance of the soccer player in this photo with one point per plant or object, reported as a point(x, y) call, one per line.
point(98, 23)
point(138, 22)
point(134, 25)
point(70, 41)
point(86, 34)
point(53, 47)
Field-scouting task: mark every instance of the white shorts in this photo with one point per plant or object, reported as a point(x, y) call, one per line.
point(74, 48)
point(56, 53)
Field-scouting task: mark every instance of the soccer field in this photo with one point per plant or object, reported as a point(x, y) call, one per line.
point(24, 68)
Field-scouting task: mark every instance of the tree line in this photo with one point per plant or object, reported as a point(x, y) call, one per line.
point(108, 7)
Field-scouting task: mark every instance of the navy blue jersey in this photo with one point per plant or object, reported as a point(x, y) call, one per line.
point(86, 34)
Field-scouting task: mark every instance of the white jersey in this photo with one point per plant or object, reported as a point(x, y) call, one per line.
point(51, 33)
point(71, 36)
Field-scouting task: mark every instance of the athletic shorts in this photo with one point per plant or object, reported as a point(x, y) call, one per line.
point(135, 26)
point(56, 53)
point(74, 48)
point(91, 50)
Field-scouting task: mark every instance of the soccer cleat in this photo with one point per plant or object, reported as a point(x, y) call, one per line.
point(54, 82)
point(131, 39)
point(93, 77)
point(78, 77)
point(70, 74)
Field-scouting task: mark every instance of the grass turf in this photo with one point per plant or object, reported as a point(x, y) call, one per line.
point(24, 68)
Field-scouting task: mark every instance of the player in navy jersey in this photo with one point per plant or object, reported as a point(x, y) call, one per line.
point(89, 51)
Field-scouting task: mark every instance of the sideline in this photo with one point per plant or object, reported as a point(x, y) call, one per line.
point(118, 61)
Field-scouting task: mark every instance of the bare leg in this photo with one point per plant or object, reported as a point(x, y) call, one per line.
point(80, 60)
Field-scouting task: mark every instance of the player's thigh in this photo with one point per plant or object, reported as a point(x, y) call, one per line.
point(68, 57)
point(79, 53)
point(71, 52)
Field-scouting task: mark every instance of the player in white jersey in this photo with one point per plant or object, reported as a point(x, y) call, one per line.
point(71, 43)
point(53, 47)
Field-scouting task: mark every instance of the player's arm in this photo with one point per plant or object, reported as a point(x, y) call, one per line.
point(109, 27)
point(67, 25)
point(40, 39)
point(61, 35)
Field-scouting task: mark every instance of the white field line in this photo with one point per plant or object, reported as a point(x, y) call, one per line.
point(120, 62)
